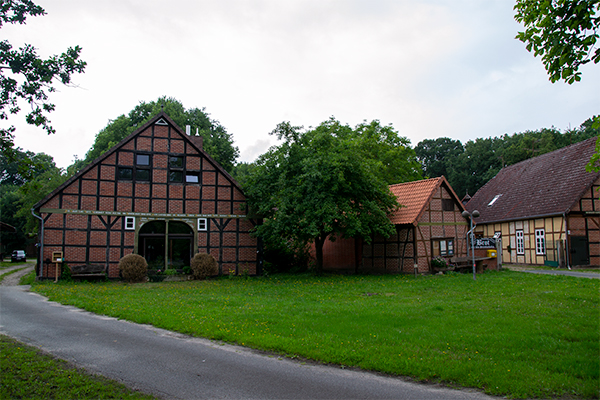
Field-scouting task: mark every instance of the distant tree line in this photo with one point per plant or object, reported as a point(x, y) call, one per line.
point(468, 167)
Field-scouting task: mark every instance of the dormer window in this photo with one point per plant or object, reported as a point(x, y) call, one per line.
point(491, 203)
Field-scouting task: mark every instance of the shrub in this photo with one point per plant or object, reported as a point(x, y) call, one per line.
point(65, 273)
point(439, 262)
point(203, 265)
point(133, 268)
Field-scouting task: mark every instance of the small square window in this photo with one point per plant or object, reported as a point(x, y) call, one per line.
point(130, 223)
point(125, 173)
point(175, 176)
point(191, 177)
point(142, 175)
point(142, 159)
point(447, 205)
point(176, 162)
point(202, 224)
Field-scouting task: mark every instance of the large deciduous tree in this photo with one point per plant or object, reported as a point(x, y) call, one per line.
point(25, 76)
point(328, 182)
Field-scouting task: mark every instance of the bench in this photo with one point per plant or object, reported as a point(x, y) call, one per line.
point(465, 264)
point(88, 271)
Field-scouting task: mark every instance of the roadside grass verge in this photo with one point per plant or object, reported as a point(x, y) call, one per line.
point(29, 374)
point(28, 279)
point(508, 333)
point(6, 264)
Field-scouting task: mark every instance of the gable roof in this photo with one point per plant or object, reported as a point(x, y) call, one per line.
point(545, 185)
point(415, 196)
point(159, 119)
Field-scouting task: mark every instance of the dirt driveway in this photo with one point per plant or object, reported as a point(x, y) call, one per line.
point(13, 279)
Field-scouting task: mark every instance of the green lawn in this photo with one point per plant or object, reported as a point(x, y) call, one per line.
point(508, 333)
point(28, 374)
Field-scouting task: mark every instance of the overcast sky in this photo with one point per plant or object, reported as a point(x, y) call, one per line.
point(431, 68)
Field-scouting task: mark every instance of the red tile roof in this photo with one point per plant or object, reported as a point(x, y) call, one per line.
point(549, 184)
point(414, 198)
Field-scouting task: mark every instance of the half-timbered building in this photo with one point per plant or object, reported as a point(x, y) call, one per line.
point(428, 224)
point(547, 209)
point(158, 194)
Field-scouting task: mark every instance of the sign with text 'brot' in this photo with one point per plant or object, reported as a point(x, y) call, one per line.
point(485, 243)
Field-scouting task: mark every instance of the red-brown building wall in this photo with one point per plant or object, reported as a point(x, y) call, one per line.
point(415, 245)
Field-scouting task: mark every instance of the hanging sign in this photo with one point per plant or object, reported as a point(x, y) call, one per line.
point(485, 243)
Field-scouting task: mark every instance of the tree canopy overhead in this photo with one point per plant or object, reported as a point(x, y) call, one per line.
point(563, 32)
point(329, 181)
point(25, 76)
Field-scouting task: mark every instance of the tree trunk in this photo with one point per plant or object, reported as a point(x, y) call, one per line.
point(319, 241)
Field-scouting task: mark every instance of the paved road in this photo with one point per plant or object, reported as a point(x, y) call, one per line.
point(175, 366)
point(576, 274)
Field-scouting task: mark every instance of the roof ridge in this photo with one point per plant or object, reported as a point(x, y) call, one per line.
point(412, 182)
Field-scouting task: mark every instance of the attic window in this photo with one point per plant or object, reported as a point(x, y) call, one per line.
point(161, 122)
point(491, 203)
point(447, 205)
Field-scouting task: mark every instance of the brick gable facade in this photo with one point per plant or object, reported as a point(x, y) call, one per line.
point(158, 194)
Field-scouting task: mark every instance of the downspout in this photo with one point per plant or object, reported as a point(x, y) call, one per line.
point(467, 238)
point(41, 274)
point(566, 242)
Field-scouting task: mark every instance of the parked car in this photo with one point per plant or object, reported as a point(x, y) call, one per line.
point(18, 255)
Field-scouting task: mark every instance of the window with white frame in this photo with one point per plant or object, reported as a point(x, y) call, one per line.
point(202, 224)
point(520, 243)
point(130, 223)
point(540, 242)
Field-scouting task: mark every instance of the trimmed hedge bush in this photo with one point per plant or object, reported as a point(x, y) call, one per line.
point(133, 268)
point(203, 265)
